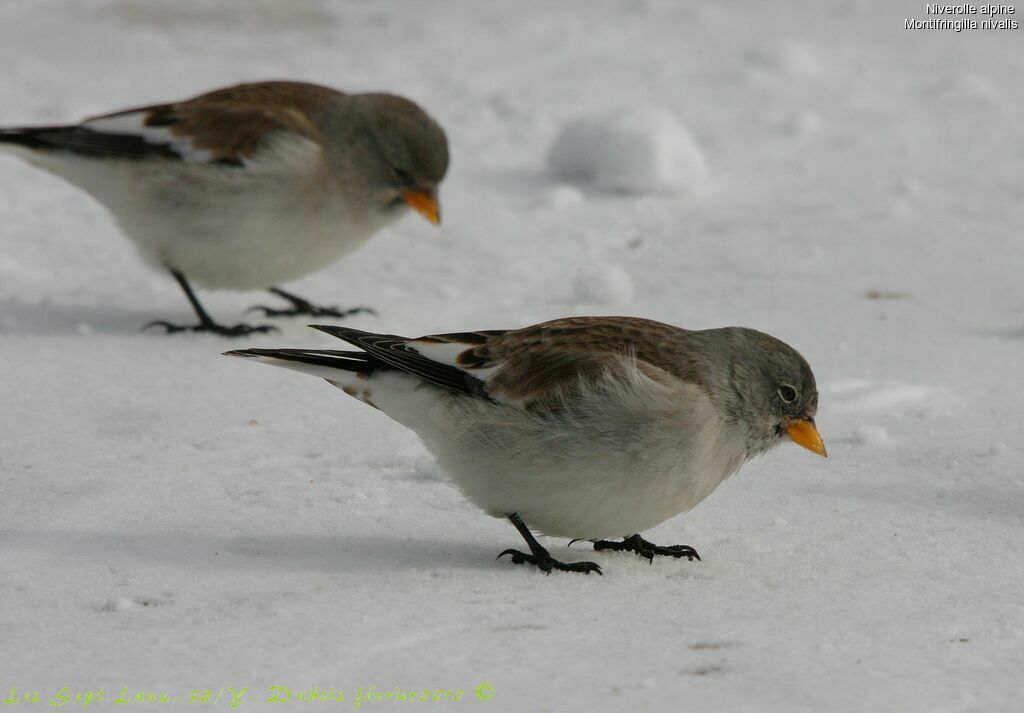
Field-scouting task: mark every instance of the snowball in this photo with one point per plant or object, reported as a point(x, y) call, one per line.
point(865, 435)
point(602, 285)
point(565, 196)
point(997, 449)
point(803, 124)
point(909, 187)
point(116, 604)
point(642, 149)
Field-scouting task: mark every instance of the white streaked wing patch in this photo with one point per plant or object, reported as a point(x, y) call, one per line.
point(285, 153)
point(133, 124)
point(447, 354)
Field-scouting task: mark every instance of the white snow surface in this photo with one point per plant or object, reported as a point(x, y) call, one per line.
point(176, 520)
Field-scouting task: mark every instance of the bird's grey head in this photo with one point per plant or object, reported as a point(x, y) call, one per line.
point(768, 387)
point(408, 150)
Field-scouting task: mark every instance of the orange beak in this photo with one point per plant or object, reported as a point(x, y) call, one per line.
point(425, 203)
point(805, 434)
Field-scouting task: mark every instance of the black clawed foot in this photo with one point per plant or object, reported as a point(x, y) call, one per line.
point(206, 323)
point(237, 330)
point(540, 557)
point(647, 549)
point(303, 307)
point(311, 311)
point(545, 562)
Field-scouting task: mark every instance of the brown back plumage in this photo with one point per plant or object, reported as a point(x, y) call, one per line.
point(231, 123)
point(535, 359)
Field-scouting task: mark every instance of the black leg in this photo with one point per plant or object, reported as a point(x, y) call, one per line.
point(206, 323)
point(647, 549)
point(302, 306)
point(540, 556)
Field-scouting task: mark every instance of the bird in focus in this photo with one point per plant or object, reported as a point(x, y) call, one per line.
point(588, 428)
point(250, 186)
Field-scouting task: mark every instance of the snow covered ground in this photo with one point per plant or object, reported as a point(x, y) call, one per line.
point(174, 520)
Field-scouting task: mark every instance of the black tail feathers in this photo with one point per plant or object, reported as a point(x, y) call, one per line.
point(30, 138)
point(359, 362)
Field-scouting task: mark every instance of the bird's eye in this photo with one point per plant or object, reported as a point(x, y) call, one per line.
point(788, 394)
point(401, 176)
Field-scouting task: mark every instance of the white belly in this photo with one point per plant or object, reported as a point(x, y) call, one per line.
point(257, 239)
point(277, 220)
point(613, 475)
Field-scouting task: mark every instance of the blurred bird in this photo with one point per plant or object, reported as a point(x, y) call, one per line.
point(250, 186)
point(585, 427)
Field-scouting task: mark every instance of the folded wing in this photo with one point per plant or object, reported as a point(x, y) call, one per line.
point(224, 127)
